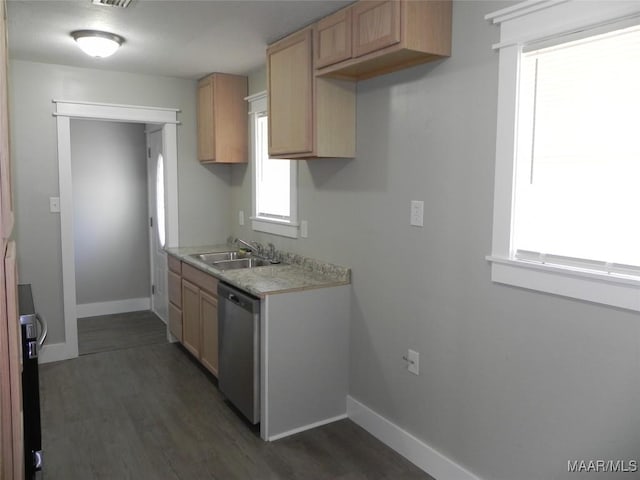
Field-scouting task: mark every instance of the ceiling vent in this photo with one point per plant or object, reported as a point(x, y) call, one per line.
point(112, 3)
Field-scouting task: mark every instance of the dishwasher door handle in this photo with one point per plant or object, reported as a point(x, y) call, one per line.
point(45, 329)
point(233, 298)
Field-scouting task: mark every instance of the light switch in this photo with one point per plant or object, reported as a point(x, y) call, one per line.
point(241, 217)
point(54, 204)
point(417, 213)
point(413, 362)
point(304, 229)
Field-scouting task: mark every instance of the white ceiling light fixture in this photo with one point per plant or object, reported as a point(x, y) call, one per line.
point(112, 3)
point(96, 43)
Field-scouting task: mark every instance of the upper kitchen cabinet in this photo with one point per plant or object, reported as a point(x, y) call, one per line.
point(290, 76)
point(333, 38)
point(6, 201)
point(376, 25)
point(382, 37)
point(222, 119)
point(309, 117)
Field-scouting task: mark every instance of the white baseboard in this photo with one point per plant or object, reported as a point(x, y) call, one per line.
point(410, 447)
point(110, 308)
point(55, 352)
point(306, 427)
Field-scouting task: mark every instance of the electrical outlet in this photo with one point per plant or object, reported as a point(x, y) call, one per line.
point(417, 213)
point(413, 362)
point(54, 204)
point(241, 217)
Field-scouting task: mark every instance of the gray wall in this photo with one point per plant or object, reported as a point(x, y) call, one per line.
point(258, 80)
point(110, 211)
point(203, 191)
point(513, 383)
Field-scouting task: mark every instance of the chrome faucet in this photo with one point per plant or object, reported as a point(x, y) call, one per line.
point(250, 246)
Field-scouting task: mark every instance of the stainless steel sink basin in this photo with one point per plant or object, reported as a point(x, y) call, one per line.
point(249, 262)
point(210, 258)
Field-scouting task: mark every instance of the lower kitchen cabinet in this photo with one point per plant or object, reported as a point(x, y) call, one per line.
point(304, 347)
point(193, 312)
point(175, 298)
point(304, 356)
point(209, 320)
point(191, 317)
point(199, 316)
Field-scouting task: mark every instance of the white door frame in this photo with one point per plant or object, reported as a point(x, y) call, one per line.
point(64, 112)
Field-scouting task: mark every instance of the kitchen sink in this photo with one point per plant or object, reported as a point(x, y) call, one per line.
point(210, 258)
point(249, 262)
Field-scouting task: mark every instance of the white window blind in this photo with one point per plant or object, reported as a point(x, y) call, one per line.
point(577, 190)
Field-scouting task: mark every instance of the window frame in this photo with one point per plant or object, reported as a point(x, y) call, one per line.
point(537, 21)
point(284, 227)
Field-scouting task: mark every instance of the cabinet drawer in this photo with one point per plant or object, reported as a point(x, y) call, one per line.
point(174, 264)
point(175, 289)
point(175, 321)
point(201, 279)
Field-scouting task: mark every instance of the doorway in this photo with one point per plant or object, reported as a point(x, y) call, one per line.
point(110, 209)
point(166, 120)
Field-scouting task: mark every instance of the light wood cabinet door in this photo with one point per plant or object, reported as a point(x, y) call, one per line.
point(332, 38)
point(209, 318)
point(290, 94)
point(206, 136)
point(11, 436)
point(191, 335)
point(230, 110)
point(6, 200)
point(195, 325)
point(376, 25)
point(222, 119)
point(175, 321)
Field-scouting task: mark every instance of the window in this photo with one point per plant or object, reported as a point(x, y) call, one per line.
point(567, 152)
point(274, 181)
point(577, 188)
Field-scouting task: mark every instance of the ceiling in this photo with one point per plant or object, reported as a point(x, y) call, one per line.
point(180, 38)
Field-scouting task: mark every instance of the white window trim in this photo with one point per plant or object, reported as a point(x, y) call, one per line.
point(527, 22)
point(284, 228)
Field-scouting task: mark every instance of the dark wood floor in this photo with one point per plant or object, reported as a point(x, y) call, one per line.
point(152, 413)
point(123, 330)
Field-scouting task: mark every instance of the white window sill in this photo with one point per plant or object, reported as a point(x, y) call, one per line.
point(275, 227)
point(614, 290)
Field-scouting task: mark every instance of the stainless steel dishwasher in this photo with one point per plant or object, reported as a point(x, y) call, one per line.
point(239, 350)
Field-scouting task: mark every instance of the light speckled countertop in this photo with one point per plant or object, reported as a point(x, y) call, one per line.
point(295, 273)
